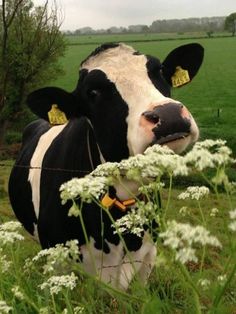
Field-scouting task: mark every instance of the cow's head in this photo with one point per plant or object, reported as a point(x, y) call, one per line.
point(126, 96)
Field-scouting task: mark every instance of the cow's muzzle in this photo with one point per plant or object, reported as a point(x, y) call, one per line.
point(169, 122)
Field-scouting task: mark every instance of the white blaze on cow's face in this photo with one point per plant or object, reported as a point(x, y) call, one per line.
point(129, 73)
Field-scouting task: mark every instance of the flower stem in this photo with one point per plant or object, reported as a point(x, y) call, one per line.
point(196, 293)
point(221, 292)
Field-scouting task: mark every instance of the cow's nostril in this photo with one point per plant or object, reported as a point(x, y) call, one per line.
point(151, 116)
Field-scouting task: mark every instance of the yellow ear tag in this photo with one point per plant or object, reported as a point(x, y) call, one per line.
point(180, 77)
point(56, 116)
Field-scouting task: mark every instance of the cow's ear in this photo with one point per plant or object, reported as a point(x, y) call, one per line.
point(182, 64)
point(53, 104)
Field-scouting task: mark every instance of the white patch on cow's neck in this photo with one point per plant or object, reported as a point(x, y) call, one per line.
point(129, 74)
point(36, 162)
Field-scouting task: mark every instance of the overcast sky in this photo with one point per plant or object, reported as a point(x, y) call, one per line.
point(107, 13)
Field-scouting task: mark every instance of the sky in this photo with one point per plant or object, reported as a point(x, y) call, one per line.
point(106, 13)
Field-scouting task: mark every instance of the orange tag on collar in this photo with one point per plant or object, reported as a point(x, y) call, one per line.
point(129, 202)
point(180, 77)
point(120, 205)
point(107, 201)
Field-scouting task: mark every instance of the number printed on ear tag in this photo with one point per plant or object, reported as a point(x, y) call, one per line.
point(180, 77)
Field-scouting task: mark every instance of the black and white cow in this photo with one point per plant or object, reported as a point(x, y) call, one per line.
point(120, 106)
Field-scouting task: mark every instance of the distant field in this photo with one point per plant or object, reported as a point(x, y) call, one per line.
point(100, 38)
point(211, 97)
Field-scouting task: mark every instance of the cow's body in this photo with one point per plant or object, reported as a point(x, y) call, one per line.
point(112, 114)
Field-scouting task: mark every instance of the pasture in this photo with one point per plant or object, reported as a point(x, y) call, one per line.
point(206, 286)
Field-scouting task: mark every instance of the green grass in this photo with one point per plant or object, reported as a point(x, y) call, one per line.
point(144, 37)
point(210, 96)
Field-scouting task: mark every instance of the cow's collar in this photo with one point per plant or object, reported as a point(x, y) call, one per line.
point(109, 202)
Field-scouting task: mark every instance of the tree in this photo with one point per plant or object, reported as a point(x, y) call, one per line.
point(30, 45)
point(230, 23)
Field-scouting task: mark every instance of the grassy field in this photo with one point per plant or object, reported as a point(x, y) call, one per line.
point(211, 95)
point(139, 37)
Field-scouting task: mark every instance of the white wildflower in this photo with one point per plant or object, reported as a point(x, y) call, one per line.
point(74, 210)
point(9, 232)
point(58, 256)
point(4, 263)
point(18, 293)
point(182, 238)
point(10, 226)
point(209, 154)
point(221, 279)
point(186, 254)
point(4, 308)
point(108, 169)
point(232, 225)
point(155, 161)
point(44, 310)
point(214, 211)
point(56, 283)
point(184, 210)
point(232, 214)
point(78, 310)
point(169, 162)
point(204, 283)
point(132, 222)
point(194, 193)
point(86, 188)
point(159, 150)
point(151, 187)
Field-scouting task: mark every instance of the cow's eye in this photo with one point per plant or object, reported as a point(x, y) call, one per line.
point(93, 94)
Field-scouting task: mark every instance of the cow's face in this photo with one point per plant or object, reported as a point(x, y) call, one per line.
point(126, 96)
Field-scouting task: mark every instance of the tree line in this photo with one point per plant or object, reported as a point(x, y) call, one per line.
point(207, 24)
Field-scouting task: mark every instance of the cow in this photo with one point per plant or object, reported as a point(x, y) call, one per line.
point(120, 106)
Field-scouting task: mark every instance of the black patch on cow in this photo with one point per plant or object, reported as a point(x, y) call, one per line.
point(137, 53)
point(103, 105)
point(100, 49)
point(19, 187)
point(154, 68)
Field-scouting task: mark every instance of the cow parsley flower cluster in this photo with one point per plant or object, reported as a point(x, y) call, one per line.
point(4, 263)
point(56, 284)
point(130, 223)
point(232, 215)
point(135, 221)
point(214, 212)
point(17, 293)
point(209, 154)
point(155, 161)
point(58, 257)
point(86, 188)
point(4, 308)
point(76, 310)
point(108, 169)
point(204, 283)
point(194, 193)
point(182, 238)
point(9, 232)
